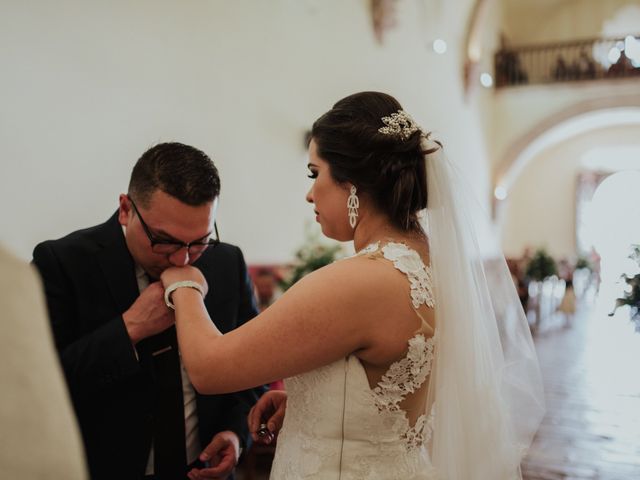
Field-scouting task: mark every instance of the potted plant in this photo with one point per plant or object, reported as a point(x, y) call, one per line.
point(583, 262)
point(582, 275)
point(540, 267)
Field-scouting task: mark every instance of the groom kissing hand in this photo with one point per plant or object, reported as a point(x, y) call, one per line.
point(139, 415)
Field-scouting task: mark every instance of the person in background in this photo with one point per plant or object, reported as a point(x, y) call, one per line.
point(265, 281)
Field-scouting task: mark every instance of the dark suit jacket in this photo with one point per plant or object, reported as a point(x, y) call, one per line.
point(89, 280)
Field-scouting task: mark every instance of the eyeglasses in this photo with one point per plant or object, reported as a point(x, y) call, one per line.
point(168, 247)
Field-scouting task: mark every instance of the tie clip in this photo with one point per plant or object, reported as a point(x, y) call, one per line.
point(162, 350)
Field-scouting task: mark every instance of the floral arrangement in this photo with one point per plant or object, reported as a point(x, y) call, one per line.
point(311, 256)
point(631, 295)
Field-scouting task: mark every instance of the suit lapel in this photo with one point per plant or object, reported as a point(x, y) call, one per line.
point(117, 265)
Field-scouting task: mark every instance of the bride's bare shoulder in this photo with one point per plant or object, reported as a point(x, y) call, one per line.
point(364, 273)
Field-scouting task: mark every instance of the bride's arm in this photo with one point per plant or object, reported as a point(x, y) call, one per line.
point(323, 317)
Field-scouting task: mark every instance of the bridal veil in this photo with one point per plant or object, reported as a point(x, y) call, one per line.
point(486, 388)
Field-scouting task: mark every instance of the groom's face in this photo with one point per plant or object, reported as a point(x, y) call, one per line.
point(167, 219)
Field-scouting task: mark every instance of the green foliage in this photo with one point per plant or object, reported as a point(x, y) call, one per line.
point(311, 256)
point(632, 296)
point(541, 266)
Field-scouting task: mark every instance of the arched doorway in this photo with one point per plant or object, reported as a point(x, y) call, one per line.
point(572, 122)
point(605, 130)
point(612, 226)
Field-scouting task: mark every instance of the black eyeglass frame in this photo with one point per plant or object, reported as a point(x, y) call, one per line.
point(173, 247)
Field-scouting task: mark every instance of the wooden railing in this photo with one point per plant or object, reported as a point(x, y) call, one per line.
point(590, 59)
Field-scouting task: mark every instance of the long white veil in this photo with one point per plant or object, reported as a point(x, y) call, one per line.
point(486, 388)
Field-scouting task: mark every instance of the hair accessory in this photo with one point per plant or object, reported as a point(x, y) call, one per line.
point(353, 204)
point(399, 124)
point(174, 286)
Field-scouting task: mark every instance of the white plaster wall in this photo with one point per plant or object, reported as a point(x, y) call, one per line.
point(86, 87)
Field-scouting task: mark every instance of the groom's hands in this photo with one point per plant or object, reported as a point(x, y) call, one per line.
point(269, 409)
point(148, 315)
point(221, 455)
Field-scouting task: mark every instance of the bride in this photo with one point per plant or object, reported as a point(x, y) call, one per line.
point(402, 361)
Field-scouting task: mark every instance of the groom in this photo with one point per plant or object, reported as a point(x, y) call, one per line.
point(139, 415)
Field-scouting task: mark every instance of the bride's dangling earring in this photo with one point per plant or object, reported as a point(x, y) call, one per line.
point(352, 205)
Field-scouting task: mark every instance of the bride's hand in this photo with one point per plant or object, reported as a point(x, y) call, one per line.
point(179, 274)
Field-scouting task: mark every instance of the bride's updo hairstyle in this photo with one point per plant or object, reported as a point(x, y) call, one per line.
point(389, 168)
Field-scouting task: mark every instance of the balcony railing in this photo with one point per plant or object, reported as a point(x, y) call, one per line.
point(590, 59)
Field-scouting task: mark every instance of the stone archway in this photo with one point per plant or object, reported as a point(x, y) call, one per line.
point(578, 119)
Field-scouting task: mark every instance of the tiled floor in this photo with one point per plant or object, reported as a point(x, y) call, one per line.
point(591, 372)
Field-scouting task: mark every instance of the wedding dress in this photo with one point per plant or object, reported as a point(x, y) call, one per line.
point(463, 403)
point(338, 427)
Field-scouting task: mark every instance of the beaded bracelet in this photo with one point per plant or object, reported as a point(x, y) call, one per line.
point(174, 286)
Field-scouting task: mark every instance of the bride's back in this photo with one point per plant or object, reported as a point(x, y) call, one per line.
point(366, 415)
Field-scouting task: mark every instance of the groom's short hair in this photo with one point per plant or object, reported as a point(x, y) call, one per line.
point(179, 170)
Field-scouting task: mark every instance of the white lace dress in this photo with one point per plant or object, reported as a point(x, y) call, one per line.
point(338, 427)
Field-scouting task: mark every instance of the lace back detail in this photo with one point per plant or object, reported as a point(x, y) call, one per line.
point(408, 262)
point(408, 375)
point(339, 425)
point(405, 377)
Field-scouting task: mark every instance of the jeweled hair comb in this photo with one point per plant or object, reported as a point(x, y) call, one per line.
point(399, 124)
